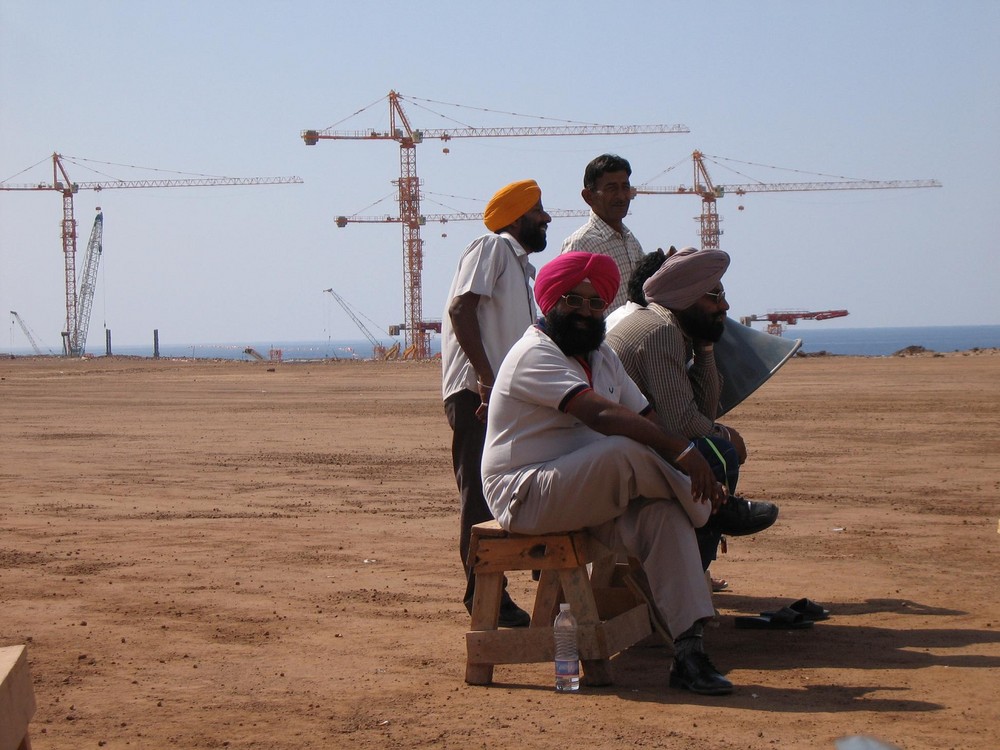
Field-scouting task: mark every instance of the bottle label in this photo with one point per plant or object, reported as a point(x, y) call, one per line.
point(567, 668)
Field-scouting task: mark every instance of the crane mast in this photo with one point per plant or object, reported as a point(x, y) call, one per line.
point(61, 183)
point(418, 331)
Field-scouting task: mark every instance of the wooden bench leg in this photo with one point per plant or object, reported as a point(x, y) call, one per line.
point(485, 615)
point(580, 595)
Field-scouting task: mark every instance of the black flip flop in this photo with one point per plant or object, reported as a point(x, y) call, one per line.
point(784, 619)
point(809, 610)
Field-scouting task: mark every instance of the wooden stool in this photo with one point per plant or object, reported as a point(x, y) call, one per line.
point(17, 699)
point(609, 617)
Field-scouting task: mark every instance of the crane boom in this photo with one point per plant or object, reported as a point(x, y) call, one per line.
point(720, 190)
point(88, 283)
point(778, 319)
point(187, 182)
point(311, 137)
point(418, 330)
point(343, 221)
point(27, 333)
point(378, 348)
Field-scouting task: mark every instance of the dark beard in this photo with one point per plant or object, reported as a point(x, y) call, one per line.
point(700, 326)
point(574, 341)
point(533, 239)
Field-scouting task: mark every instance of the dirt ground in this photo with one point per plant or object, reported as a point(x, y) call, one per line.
point(231, 554)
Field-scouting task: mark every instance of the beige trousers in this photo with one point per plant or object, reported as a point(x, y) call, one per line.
point(627, 496)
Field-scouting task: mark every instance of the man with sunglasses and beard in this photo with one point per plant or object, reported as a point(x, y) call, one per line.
point(572, 443)
point(489, 307)
point(667, 348)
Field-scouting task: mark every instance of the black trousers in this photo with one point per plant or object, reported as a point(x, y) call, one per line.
point(725, 464)
point(467, 441)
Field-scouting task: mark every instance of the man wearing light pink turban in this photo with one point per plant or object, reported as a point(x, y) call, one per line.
point(572, 443)
point(667, 348)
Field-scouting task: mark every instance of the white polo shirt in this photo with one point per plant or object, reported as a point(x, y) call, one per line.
point(528, 426)
point(495, 267)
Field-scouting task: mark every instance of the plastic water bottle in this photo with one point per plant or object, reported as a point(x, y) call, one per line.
point(567, 655)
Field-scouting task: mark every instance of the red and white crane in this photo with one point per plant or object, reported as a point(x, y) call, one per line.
point(778, 319)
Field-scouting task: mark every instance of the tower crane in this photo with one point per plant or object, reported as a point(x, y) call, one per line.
point(378, 348)
point(710, 193)
point(417, 330)
point(61, 183)
point(778, 319)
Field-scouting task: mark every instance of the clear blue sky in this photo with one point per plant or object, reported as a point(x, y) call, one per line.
point(893, 90)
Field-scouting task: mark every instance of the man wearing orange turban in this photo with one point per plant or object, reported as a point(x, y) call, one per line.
point(572, 443)
point(489, 307)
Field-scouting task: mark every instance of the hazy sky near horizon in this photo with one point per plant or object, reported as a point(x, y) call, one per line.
point(893, 90)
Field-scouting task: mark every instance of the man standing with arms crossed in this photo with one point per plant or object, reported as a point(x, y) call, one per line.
point(608, 192)
point(490, 304)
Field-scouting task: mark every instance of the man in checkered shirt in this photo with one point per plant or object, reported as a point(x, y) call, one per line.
point(608, 192)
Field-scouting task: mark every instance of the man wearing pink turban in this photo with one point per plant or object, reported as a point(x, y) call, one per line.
point(572, 443)
point(667, 348)
point(489, 307)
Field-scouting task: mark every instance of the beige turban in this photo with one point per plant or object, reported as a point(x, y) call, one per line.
point(685, 276)
point(510, 204)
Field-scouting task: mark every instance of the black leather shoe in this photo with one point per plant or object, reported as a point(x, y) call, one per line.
point(695, 672)
point(740, 517)
point(512, 616)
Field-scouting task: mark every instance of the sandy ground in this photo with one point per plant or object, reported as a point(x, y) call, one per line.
point(232, 554)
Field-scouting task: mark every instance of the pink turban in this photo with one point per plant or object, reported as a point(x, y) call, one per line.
point(510, 203)
point(565, 272)
point(685, 276)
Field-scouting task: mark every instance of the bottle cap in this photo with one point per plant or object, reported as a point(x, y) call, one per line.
point(564, 606)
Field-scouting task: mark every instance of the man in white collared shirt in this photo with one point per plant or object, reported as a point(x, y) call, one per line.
point(490, 305)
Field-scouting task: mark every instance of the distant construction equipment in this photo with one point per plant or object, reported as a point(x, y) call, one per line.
point(709, 193)
point(88, 283)
point(778, 319)
point(72, 340)
point(27, 332)
point(379, 349)
point(417, 330)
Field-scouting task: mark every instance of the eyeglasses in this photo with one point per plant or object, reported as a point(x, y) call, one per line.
point(575, 301)
point(717, 296)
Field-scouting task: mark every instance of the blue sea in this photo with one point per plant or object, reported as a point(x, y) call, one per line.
point(864, 342)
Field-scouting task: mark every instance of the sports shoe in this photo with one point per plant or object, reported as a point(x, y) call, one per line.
point(741, 517)
point(694, 671)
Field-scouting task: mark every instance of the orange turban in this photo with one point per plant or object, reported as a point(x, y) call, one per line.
point(564, 272)
point(685, 276)
point(510, 204)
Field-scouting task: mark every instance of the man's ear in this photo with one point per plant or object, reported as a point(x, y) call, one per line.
point(587, 195)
